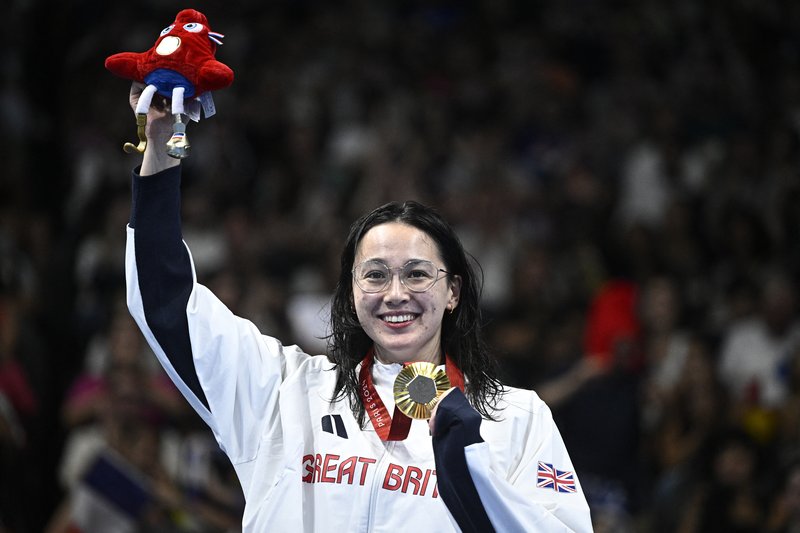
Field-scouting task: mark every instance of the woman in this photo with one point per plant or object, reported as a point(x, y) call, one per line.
point(317, 442)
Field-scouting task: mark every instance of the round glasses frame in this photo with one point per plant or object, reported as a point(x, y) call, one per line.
point(400, 271)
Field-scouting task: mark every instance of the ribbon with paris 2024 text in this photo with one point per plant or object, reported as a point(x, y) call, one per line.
point(398, 425)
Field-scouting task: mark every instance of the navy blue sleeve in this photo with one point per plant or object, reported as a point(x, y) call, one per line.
point(457, 425)
point(164, 269)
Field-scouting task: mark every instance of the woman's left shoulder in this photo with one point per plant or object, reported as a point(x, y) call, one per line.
point(521, 403)
point(520, 415)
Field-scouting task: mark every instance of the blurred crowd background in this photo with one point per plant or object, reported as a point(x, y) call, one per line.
point(625, 172)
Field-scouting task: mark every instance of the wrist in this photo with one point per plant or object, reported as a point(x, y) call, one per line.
point(156, 159)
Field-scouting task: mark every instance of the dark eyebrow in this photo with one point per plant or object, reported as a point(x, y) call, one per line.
point(417, 261)
point(383, 261)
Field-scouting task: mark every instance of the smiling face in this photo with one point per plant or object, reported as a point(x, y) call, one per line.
point(404, 325)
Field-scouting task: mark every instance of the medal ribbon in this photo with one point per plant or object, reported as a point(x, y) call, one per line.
point(398, 425)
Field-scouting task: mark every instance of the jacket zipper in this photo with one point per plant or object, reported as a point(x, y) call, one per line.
point(376, 481)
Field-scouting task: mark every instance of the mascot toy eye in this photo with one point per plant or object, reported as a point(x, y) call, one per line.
point(180, 65)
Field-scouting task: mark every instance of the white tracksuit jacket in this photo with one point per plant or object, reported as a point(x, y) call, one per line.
point(305, 464)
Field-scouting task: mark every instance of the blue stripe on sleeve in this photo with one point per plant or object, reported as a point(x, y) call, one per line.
point(457, 425)
point(164, 268)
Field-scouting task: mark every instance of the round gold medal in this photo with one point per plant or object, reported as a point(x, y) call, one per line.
point(417, 389)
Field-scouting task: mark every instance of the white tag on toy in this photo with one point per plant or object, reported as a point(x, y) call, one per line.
point(191, 109)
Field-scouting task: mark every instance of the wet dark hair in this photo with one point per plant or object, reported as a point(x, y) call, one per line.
point(462, 338)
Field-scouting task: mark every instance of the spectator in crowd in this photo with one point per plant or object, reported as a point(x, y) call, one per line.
point(756, 356)
point(122, 470)
point(693, 413)
point(727, 498)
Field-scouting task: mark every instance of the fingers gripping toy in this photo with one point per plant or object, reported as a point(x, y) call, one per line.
point(180, 66)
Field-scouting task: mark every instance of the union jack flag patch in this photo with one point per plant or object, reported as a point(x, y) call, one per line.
point(558, 480)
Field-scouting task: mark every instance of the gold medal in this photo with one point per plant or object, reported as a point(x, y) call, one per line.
point(417, 389)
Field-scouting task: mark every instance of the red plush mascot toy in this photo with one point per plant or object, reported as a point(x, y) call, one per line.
point(180, 65)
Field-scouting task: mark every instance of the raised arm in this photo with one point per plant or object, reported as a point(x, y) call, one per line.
point(220, 362)
point(159, 272)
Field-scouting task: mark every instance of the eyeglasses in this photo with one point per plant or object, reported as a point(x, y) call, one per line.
point(375, 276)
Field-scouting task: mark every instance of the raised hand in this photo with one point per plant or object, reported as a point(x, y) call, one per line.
point(158, 131)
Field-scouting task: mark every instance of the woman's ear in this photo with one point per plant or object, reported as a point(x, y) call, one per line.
point(455, 293)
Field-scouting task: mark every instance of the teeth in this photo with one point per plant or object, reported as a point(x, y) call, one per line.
point(398, 318)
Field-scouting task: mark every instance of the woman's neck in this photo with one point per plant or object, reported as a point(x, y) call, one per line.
point(389, 358)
